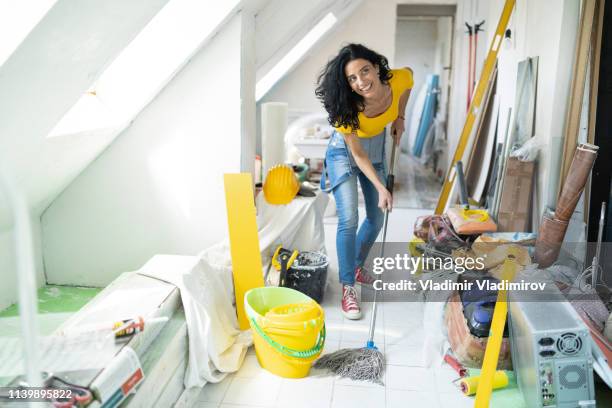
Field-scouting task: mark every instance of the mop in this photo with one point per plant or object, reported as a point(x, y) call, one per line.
point(366, 363)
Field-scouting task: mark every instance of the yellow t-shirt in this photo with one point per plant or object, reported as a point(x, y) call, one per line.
point(369, 127)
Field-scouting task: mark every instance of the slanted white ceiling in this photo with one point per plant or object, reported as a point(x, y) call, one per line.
point(281, 24)
point(68, 50)
point(49, 71)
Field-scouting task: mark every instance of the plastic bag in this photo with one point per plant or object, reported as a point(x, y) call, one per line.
point(528, 152)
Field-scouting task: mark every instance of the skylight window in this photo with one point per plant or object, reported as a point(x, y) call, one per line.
point(288, 61)
point(143, 68)
point(17, 19)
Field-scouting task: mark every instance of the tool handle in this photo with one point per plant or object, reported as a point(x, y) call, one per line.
point(390, 175)
point(456, 365)
point(462, 186)
point(284, 259)
point(390, 182)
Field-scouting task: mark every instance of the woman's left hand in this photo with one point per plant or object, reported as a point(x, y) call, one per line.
point(397, 129)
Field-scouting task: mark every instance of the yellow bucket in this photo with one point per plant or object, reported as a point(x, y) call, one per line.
point(288, 330)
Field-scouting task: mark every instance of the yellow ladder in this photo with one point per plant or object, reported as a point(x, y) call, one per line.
point(485, 77)
point(496, 333)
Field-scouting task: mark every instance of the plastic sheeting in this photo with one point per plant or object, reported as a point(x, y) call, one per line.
point(216, 345)
point(297, 225)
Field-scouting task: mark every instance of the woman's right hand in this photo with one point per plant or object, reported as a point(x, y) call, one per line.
point(385, 199)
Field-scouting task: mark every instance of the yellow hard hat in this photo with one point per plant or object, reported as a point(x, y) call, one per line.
point(281, 185)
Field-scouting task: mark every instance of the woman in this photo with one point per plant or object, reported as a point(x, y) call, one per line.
point(362, 96)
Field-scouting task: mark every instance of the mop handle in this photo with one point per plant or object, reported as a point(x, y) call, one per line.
point(390, 182)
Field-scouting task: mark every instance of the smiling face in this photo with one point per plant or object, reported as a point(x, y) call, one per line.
point(363, 78)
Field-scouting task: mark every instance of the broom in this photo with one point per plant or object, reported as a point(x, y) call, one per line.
point(365, 363)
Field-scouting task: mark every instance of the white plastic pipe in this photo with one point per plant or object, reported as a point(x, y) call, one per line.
point(274, 117)
point(26, 277)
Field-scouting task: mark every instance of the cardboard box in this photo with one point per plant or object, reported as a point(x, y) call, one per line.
point(514, 213)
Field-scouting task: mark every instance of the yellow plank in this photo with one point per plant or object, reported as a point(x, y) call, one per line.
point(244, 241)
point(489, 364)
point(485, 76)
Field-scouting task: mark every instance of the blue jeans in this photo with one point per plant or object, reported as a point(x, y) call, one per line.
point(353, 244)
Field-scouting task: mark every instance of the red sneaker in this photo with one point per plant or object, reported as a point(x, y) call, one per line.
point(350, 304)
point(363, 276)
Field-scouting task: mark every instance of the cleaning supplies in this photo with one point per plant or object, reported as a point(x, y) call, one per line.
point(288, 330)
point(281, 185)
point(304, 271)
point(366, 363)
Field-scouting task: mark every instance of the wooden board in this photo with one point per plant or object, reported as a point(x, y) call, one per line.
point(244, 241)
point(477, 166)
point(480, 189)
point(593, 88)
point(572, 119)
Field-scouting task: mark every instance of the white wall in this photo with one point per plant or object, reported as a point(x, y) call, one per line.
point(159, 187)
point(297, 88)
point(416, 43)
point(8, 288)
point(40, 80)
point(553, 42)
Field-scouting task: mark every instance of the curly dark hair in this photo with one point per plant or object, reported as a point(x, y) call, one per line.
point(334, 91)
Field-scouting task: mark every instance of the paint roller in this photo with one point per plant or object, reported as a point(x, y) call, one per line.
point(469, 385)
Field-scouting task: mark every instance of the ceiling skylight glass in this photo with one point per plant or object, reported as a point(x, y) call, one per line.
point(293, 56)
point(17, 19)
point(144, 67)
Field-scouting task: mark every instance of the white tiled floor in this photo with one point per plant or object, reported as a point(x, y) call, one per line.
point(399, 334)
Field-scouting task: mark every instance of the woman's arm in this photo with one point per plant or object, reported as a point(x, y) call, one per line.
point(385, 200)
point(399, 124)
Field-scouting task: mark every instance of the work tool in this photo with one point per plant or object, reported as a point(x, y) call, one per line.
point(469, 385)
point(476, 29)
point(73, 396)
point(292, 255)
point(366, 363)
point(472, 51)
point(284, 261)
point(470, 81)
point(485, 77)
point(455, 365)
point(130, 327)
